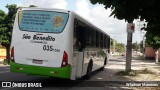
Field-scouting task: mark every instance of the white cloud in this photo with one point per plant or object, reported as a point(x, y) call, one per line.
point(61, 4)
point(82, 8)
point(96, 14)
point(99, 16)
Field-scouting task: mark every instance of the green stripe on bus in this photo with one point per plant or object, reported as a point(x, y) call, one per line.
point(62, 72)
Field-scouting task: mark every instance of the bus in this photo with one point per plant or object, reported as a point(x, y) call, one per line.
point(57, 43)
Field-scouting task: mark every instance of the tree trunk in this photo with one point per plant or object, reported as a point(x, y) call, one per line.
point(129, 52)
point(8, 54)
point(156, 56)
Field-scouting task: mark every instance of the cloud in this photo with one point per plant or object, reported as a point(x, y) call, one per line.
point(99, 16)
point(82, 8)
point(96, 14)
point(61, 4)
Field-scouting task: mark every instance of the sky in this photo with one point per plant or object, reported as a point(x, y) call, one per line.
point(96, 14)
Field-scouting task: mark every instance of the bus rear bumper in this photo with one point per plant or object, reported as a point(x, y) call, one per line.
point(61, 72)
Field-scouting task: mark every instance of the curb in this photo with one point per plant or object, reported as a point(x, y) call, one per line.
point(1, 64)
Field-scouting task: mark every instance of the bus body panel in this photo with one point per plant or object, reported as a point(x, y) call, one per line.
point(30, 51)
point(28, 47)
point(46, 56)
point(92, 54)
point(26, 53)
point(62, 72)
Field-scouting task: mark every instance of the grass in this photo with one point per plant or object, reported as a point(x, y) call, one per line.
point(127, 73)
point(146, 71)
point(134, 72)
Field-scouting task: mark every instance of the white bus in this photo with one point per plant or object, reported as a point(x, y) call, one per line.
point(56, 43)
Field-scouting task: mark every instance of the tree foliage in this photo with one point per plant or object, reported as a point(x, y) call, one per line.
point(131, 9)
point(136, 46)
point(7, 26)
point(137, 9)
point(152, 35)
point(32, 6)
point(2, 25)
point(119, 47)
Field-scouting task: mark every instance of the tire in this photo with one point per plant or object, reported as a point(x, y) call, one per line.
point(89, 71)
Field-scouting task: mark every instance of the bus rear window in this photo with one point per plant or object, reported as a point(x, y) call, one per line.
point(42, 21)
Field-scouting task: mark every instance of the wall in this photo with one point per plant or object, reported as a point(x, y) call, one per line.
point(150, 53)
point(2, 53)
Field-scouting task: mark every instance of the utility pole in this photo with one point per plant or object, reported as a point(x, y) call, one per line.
point(114, 45)
point(130, 30)
point(144, 38)
point(129, 52)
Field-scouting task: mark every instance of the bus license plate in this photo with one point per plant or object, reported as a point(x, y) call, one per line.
point(37, 61)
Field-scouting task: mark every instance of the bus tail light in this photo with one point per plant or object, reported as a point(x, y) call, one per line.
point(12, 54)
point(64, 60)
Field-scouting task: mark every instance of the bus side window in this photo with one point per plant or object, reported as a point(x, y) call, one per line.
point(108, 43)
point(75, 40)
point(97, 39)
point(77, 43)
point(105, 41)
point(82, 36)
point(79, 39)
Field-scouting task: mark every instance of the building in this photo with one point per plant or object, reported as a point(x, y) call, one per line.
point(2, 53)
point(150, 53)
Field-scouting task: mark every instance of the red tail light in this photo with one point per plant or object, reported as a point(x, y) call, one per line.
point(64, 60)
point(12, 54)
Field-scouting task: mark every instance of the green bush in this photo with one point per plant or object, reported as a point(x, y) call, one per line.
point(5, 62)
point(127, 73)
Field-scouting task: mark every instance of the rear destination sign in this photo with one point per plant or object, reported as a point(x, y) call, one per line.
point(42, 21)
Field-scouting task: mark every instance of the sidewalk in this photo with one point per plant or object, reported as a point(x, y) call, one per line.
point(1, 64)
point(118, 64)
point(137, 65)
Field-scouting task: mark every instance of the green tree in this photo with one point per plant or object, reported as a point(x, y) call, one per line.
point(117, 47)
point(120, 47)
point(6, 26)
point(152, 36)
point(32, 6)
point(113, 45)
point(136, 9)
point(2, 25)
point(136, 46)
point(132, 9)
point(6, 32)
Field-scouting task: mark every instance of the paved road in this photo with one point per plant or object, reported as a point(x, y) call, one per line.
point(101, 80)
point(96, 82)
